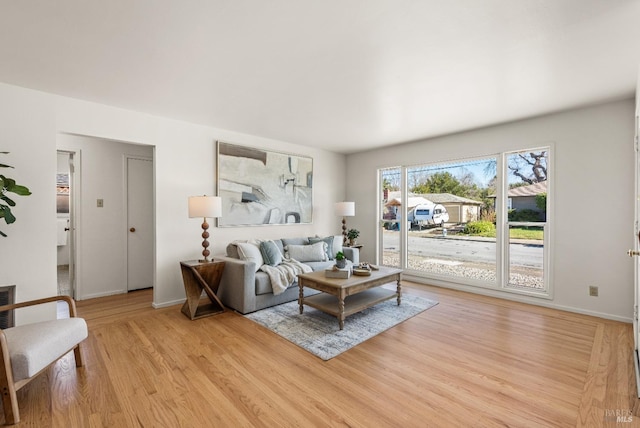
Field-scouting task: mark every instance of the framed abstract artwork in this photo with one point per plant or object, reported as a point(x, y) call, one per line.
point(263, 187)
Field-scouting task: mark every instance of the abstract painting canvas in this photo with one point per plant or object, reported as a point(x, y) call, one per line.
point(263, 187)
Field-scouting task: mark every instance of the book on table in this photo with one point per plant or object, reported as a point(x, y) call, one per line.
point(343, 273)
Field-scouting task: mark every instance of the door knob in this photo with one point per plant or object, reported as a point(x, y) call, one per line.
point(632, 253)
point(133, 229)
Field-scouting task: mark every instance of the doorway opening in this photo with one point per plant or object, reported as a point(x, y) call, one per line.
point(64, 213)
point(102, 261)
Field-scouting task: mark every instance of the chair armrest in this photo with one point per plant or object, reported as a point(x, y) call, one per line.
point(69, 300)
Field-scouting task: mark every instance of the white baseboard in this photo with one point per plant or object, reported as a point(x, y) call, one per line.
point(95, 295)
point(166, 304)
point(515, 297)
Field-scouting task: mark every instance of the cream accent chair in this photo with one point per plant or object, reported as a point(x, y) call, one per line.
point(28, 350)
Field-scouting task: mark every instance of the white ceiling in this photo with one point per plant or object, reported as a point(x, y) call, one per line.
point(345, 75)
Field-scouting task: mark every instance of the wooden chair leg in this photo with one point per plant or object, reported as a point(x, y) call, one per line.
point(10, 404)
point(7, 387)
point(78, 356)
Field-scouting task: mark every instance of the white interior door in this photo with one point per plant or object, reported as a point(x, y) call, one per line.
point(140, 233)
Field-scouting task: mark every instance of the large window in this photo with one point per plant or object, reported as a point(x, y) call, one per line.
point(480, 221)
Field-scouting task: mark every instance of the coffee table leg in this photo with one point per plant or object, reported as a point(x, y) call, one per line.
point(301, 295)
point(399, 291)
point(341, 312)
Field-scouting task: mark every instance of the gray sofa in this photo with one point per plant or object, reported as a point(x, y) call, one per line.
point(246, 288)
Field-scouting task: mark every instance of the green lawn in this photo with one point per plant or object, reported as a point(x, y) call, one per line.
point(525, 233)
point(518, 233)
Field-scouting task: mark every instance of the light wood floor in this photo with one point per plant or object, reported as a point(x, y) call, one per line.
point(471, 361)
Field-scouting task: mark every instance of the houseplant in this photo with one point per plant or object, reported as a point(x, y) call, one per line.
point(352, 235)
point(341, 260)
point(8, 185)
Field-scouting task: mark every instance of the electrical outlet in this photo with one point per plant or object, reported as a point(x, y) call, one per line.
point(593, 291)
point(100, 203)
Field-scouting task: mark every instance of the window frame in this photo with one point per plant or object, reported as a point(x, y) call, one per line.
point(502, 267)
point(547, 291)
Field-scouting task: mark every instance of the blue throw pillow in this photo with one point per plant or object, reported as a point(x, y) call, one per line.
point(329, 241)
point(270, 253)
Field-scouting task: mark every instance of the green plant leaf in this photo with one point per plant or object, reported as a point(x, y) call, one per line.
point(9, 185)
point(5, 212)
point(20, 190)
point(8, 201)
point(3, 234)
point(8, 182)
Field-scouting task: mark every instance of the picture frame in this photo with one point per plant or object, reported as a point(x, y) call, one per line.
point(261, 187)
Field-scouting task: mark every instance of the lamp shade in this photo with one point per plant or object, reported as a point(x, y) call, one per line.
point(205, 206)
point(345, 209)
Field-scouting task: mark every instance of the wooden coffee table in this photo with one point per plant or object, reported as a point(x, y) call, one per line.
point(363, 292)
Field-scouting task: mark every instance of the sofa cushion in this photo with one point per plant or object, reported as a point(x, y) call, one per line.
point(251, 253)
point(232, 247)
point(308, 253)
point(270, 253)
point(294, 241)
point(232, 250)
point(263, 284)
point(280, 245)
point(329, 240)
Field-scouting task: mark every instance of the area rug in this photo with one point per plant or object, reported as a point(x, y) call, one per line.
point(320, 334)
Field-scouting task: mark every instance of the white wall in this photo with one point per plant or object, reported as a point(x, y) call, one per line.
point(28, 254)
point(184, 166)
point(593, 171)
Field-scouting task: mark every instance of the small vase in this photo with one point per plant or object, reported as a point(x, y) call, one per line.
point(352, 242)
point(341, 263)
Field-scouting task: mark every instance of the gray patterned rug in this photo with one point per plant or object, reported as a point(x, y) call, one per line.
point(319, 333)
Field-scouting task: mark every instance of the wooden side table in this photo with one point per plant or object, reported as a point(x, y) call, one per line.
point(200, 277)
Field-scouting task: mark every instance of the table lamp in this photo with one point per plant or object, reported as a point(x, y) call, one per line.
point(345, 209)
point(205, 207)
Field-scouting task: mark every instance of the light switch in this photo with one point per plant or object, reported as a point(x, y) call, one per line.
point(100, 203)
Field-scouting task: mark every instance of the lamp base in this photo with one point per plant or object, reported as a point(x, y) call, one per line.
point(205, 243)
point(344, 231)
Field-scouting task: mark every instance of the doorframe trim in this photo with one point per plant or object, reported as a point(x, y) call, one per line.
point(75, 220)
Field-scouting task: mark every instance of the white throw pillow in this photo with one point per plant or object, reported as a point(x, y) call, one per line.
point(308, 253)
point(251, 253)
